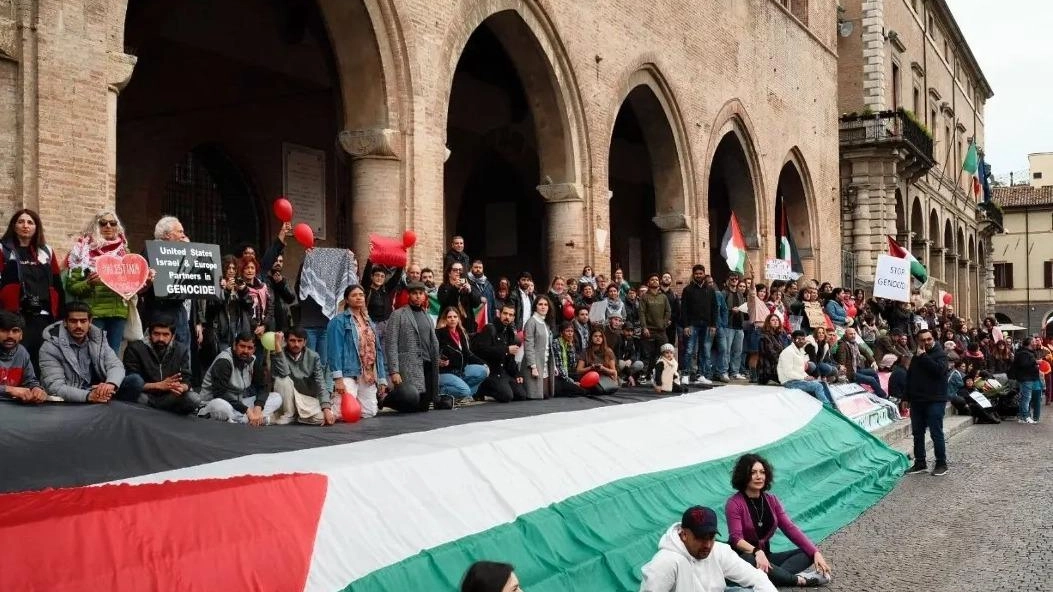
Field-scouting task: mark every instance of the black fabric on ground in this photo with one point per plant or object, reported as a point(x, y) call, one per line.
point(67, 445)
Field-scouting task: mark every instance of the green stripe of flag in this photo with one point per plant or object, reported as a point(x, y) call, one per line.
point(826, 474)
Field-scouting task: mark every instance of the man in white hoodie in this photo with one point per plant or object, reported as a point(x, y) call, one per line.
point(689, 559)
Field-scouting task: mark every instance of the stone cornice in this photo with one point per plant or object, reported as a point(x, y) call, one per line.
point(371, 143)
point(559, 192)
point(671, 221)
point(918, 69)
point(119, 67)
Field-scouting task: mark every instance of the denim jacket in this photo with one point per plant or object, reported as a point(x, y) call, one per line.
point(342, 348)
point(723, 313)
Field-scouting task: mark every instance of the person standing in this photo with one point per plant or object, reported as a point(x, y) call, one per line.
point(457, 293)
point(380, 292)
point(188, 318)
point(927, 394)
point(697, 309)
point(1032, 387)
point(411, 351)
point(356, 354)
point(731, 364)
point(481, 285)
point(30, 283)
point(536, 368)
point(655, 316)
point(456, 254)
point(666, 287)
point(109, 311)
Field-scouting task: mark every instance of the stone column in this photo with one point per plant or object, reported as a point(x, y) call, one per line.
point(936, 262)
point(566, 241)
point(951, 273)
point(873, 38)
point(118, 72)
point(376, 185)
point(988, 272)
point(677, 257)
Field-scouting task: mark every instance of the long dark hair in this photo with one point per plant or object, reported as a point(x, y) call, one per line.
point(550, 315)
point(486, 576)
point(11, 237)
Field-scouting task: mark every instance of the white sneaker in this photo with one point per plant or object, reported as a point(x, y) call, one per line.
point(725, 378)
point(683, 381)
point(738, 376)
point(1029, 420)
point(704, 381)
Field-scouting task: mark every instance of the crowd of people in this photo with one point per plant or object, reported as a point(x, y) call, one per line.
point(404, 339)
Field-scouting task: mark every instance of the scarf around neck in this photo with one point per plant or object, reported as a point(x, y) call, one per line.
point(86, 250)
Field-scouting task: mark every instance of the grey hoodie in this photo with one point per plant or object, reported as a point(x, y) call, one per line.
point(61, 373)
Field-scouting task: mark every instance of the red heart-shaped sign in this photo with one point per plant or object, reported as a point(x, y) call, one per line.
point(124, 275)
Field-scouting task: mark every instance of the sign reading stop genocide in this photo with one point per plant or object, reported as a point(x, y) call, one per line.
point(185, 270)
point(892, 278)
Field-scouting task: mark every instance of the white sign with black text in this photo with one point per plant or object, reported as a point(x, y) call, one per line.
point(892, 278)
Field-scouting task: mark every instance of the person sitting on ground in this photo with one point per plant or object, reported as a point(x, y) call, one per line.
point(76, 363)
point(754, 515)
point(835, 308)
point(689, 559)
point(411, 354)
point(822, 366)
point(300, 381)
point(490, 576)
point(772, 343)
point(460, 370)
point(599, 358)
point(565, 361)
point(858, 364)
point(355, 353)
point(18, 378)
point(234, 387)
point(792, 370)
point(157, 367)
point(667, 373)
point(498, 346)
point(889, 343)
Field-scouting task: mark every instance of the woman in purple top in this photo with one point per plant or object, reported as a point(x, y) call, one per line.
point(754, 515)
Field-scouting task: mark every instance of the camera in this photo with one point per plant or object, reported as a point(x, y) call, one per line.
point(31, 303)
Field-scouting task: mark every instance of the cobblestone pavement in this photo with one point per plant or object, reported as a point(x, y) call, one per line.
point(985, 526)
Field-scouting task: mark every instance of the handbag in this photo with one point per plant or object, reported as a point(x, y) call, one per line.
point(133, 328)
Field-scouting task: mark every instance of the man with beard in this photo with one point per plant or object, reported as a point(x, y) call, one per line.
point(498, 345)
point(523, 298)
point(234, 388)
point(411, 352)
point(185, 312)
point(698, 314)
point(282, 294)
point(427, 277)
point(19, 378)
point(665, 286)
point(157, 367)
point(76, 363)
point(655, 315)
point(298, 378)
point(482, 286)
point(689, 559)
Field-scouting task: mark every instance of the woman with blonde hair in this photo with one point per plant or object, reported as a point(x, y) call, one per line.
point(104, 235)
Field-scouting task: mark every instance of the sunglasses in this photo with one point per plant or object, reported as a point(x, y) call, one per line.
point(105, 223)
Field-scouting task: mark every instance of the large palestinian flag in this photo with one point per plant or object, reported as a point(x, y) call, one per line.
point(576, 500)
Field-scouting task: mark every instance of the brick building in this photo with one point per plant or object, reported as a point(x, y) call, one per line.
point(549, 133)
point(912, 98)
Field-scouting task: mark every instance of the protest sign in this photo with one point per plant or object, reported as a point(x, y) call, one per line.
point(185, 270)
point(124, 275)
point(778, 269)
point(892, 278)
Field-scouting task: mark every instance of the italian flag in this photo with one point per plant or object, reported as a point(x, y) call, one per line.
point(734, 246)
point(917, 270)
point(972, 166)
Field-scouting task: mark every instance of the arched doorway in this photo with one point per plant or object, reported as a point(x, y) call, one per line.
point(935, 246)
point(917, 231)
point(506, 134)
point(731, 189)
point(792, 206)
point(246, 91)
point(900, 230)
point(645, 179)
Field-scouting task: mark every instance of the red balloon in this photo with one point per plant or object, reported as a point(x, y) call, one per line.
point(519, 335)
point(304, 234)
point(409, 238)
point(350, 409)
point(947, 299)
point(1044, 367)
point(283, 209)
point(591, 379)
point(568, 311)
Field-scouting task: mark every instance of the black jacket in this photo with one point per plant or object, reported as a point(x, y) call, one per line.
point(141, 358)
point(466, 302)
point(455, 257)
point(927, 376)
point(698, 306)
point(1026, 365)
point(380, 302)
point(459, 356)
point(492, 346)
point(283, 297)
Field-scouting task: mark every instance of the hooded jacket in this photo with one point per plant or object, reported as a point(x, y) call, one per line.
point(673, 569)
point(61, 374)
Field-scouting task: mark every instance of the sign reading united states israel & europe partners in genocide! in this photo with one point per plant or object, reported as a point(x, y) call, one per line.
point(185, 270)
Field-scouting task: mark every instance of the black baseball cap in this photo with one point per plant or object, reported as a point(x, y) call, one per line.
point(700, 520)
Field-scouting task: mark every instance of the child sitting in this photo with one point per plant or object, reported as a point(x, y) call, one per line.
point(666, 372)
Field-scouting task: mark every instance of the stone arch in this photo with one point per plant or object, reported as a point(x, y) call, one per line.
point(934, 228)
point(650, 179)
point(530, 38)
point(901, 216)
point(917, 220)
point(797, 195)
point(935, 263)
point(960, 243)
point(948, 237)
point(515, 152)
point(732, 168)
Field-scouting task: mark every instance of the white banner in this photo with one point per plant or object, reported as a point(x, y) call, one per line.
point(892, 278)
point(778, 269)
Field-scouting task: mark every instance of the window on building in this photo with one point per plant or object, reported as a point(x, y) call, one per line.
point(1047, 274)
point(1003, 276)
point(917, 100)
point(950, 143)
point(895, 86)
point(1036, 175)
point(946, 54)
point(932, 27)
point(932, 121)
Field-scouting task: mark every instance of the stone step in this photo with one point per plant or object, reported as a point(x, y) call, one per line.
point(898, 435)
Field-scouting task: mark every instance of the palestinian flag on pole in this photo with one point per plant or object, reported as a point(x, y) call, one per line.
point(787, 250)
point(917, 270)
point(733, 246)
point(972, 167)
